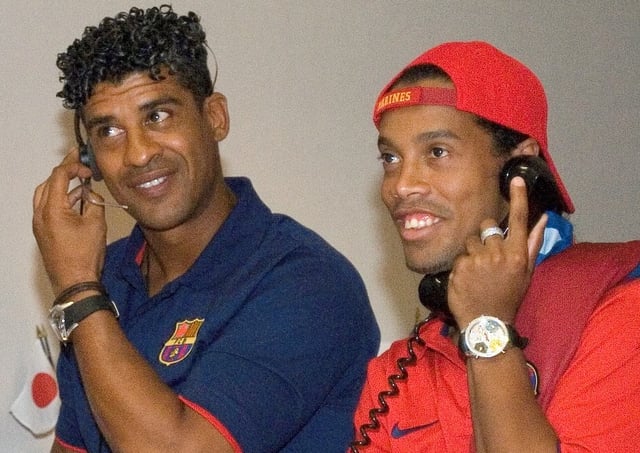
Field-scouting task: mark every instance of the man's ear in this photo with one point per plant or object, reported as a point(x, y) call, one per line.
point(215, 109)
point(527, 147)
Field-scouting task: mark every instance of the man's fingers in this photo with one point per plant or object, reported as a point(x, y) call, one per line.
point(518, 210)
point(39, 194)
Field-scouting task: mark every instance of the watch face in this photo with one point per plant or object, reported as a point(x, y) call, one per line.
point(486, 336)
point(56, 319)
point(58, 322)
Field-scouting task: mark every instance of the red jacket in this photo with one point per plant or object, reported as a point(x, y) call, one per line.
point(582, 319)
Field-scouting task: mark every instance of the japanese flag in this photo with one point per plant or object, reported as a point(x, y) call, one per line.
point(38, 404)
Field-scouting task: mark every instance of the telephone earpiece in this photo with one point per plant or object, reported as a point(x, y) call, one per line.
point(87, 158)
point(542, 190)
point(86, 152)
point(543, 195)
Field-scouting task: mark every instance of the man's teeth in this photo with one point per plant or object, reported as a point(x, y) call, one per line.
point(416, 224)
point(152, 183)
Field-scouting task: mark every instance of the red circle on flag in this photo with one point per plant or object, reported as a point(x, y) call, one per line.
point(43, 389)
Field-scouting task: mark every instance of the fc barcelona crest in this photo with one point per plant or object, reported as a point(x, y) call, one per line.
point(181, 343)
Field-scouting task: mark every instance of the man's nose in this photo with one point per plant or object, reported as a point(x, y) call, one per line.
point(411, 179)
point(141, 148)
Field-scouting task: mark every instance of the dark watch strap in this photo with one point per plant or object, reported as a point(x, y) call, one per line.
point(516, 340)
point(84, 307)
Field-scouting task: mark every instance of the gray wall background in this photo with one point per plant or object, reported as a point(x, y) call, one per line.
point(301, 79)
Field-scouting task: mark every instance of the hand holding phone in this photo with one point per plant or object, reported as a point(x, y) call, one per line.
point(72, 245)
point(491, 278)
point(542, 194)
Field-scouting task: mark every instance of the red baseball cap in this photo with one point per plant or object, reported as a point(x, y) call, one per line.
point(488, 83)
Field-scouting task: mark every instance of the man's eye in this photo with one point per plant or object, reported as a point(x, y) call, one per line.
point(439, 152)
point(108, 131)
point(388, 158)
point(158, 116)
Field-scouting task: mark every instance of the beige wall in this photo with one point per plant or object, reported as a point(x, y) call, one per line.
point(301, 78)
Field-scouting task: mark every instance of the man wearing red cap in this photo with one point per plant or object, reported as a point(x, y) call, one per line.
point(531, 343)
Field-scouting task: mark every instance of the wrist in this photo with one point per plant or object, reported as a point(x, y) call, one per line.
point(60, 282)
point(74, 304)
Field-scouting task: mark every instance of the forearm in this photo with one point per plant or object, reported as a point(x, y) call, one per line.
point(134, 409)
point(505, 414)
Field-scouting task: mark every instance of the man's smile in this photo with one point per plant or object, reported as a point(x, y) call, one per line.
point(419, 221)
point(152, 183)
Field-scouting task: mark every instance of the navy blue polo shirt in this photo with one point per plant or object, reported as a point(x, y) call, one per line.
point(269, 332)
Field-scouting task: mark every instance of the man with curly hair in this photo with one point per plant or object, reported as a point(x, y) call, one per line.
point(200, 330)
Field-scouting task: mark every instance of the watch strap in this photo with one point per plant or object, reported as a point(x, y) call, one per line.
point(84, 307)
point(515, 339)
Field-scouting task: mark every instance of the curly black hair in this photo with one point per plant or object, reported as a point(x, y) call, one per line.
point(139, 40)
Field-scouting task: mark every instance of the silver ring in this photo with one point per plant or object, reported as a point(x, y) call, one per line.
point(491, 231)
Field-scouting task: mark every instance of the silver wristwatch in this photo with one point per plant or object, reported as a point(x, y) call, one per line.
point(488, 336)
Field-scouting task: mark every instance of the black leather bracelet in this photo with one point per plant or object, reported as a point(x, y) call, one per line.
point(65, 295)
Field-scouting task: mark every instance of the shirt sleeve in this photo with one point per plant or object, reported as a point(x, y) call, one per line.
point(75, 429)
point(596, 405)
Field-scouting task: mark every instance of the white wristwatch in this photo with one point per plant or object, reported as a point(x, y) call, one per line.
point(488, 336)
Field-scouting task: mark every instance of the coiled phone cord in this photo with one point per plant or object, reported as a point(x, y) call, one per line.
point(383, 407)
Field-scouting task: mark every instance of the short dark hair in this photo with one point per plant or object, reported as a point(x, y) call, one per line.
point(504, 138)
point(139, 40)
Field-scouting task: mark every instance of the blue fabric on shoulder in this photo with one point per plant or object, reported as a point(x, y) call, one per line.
point(634, 273)
point(558, 235)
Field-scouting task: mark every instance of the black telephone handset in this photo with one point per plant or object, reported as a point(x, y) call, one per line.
point(543, 194)
point(86, 152)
